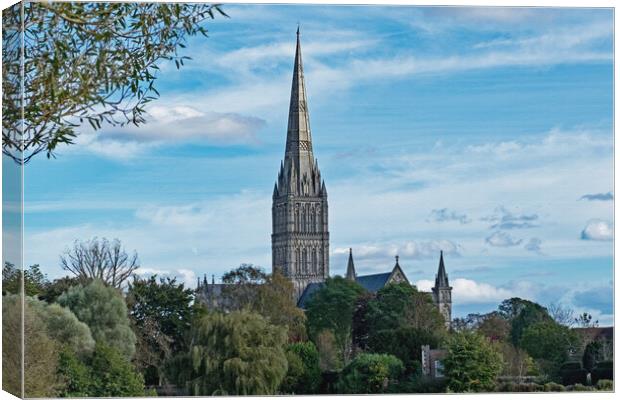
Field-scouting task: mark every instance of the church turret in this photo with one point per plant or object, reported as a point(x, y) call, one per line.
point(300, 239)
point(442, 292)
point(351, 267)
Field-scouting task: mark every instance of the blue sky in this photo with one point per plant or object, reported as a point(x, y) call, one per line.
point(473, 130)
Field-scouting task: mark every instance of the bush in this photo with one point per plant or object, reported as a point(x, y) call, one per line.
point(419, 384)
point(603, 370)
point(304, 374)
point(572, 373)
point(606, 385)
point(112, 375)
point(370, 373)
point(514, 387)
point(578, 387)
point(554, 387)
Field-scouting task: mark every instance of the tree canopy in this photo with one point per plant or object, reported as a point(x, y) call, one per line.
point(103, 309)
point(90, 63)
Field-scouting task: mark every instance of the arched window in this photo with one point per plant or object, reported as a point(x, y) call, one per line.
point(304, 261)
point(297, 261)
point(314, 262)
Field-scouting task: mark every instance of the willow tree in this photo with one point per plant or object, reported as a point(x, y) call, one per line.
point(86, 64)
point(238, 353)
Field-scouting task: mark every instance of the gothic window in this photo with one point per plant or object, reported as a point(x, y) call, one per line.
point(313, 213)
point(297, 260)
point(297, 217)
point(314, 261)
point(303, 219)
point(304, 261)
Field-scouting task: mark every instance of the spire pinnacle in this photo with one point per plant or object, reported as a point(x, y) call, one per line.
point(441, 280)
point(351, 275)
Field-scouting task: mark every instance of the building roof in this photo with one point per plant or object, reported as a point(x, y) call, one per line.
point(597, 333)
point(308, 292)
point(374, 282)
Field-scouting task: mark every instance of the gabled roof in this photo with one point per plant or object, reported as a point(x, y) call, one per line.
point(375, 282)
point(308, 292)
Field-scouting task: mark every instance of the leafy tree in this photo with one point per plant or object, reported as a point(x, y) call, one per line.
point(585, 321)
point(370, 373)
point(100, 259)
point(550, 342)
point(74, 373)
point(64, 327)
point(161, 313)
point(511, 308)
point(332, 308)
point(35, 282)
point(88, 62)
point(276, 302)
point(400, 320)
point(242, 287)
point(304, 373)
point(112, 375)
point(517, 362)
point(528, 314)
point(329, 359)
point(238, 353)
point(40, 359)
point(360, 330)
point(57, 287)
point(494, 327)
point(103, 309)
point(472, 363)
point(468, 323)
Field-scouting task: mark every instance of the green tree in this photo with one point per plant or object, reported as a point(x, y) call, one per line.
point(238, 353)
point(242, 286)
point(59, 286)
point(64, 327)
point(472, 363)
point(521, 314)
point(35, 282)
point(400, 320)
point(549, 341)
point(86, 63)
point(161, 312)
point(304, 373)
point(40, 358)
point(74, 373)
point(112, 375)
point(370, 373)
point(332, 308)
point(103, 309)
point(495, 327)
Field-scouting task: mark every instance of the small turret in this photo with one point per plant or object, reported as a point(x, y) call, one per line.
point(442, 292)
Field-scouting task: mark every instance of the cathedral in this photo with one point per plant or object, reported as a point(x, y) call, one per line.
point(300, 228)
point(300, 238)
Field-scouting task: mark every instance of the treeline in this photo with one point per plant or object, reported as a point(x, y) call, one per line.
point(86, 335)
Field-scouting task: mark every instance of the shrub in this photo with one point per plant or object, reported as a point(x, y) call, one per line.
point(419, 384)
point(554, 387)
point(572, 373)
point(603, 370)
point(578, 387)
point(606, 385)
point(370, 373)
point(304, 374)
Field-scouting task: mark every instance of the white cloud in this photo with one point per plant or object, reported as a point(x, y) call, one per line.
point(467, 291)
point(502, 239)
point(408, 249)
point(533, 245)
point(597, 229)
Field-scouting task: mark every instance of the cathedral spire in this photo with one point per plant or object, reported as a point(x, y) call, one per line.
point(441, 280)
point(298, 136)
point(351, 275)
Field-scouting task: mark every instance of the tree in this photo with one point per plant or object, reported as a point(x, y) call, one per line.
point(550, 342)
point(401, 320)
point(494, 327)
point(89, 62)
point(103, 309)
point(585, 321)
point(468, 323)
point(304, 373)
point(40, 359)
point(517, 362)
point(370, 373)
point(64, 327)
point(329, 359)
point(161, 313)
point(35, 282)
point(238, 353)
point(100, 259)
point(242, 283)
point(112, 375)
point(276, 302)
point(57, 287)
point(332, 308)
point(523, 313)
point(472, 363)
point(561, 314)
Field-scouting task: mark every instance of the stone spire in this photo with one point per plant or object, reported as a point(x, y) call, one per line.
point(441, 279)
point(351, 275)
point(299, 174)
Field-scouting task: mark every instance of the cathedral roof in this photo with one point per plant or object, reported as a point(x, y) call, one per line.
point(374, 282)
point(308, 293)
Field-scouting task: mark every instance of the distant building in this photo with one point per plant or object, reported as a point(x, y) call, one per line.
point(432, 362)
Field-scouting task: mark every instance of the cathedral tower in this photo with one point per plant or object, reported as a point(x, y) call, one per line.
point(300, 239)
point(442, 292)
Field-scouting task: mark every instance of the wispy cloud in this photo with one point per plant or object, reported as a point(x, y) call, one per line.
point(534, 245)
point(443, 214)
point(502, 239)
point(598, 196)
point(506, 219)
